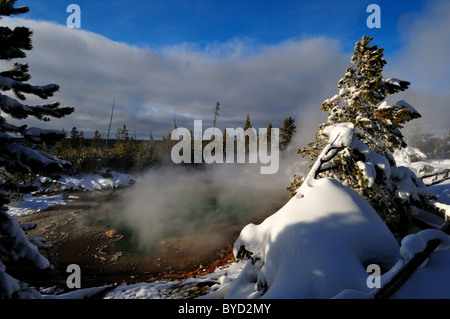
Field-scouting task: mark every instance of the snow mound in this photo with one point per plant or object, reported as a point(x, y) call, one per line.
point(316, 246)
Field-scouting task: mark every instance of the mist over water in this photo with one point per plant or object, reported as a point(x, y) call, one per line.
point(178, 200)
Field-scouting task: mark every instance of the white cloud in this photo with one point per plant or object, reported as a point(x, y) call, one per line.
point(424, 57)
point(269, 82)
point(424, 61)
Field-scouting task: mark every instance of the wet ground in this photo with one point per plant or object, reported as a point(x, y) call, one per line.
point(104, 253)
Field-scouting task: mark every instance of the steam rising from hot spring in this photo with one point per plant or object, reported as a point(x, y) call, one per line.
point(178, 201)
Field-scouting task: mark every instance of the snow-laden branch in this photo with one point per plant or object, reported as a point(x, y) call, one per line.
point(44, 92)
point(30, 160)
point(38, 135)
point(21, 111)
point(340, 136)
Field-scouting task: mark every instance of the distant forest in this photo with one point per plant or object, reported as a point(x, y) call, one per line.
point(125, 153)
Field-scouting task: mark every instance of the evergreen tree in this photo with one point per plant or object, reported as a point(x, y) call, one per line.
point(62, 145)
point(122, 134)
point(152, 141)
point(224, 140)
point(81, 139)
point(96, 140)
point(287, 132)
point(75, 138)
point(269, 133)
point(18, 157)
point(372, 128)
point(361, 91)
point(247, 122)
point(247, 125)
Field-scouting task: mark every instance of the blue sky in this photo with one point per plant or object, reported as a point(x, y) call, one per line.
point(271, 59)
point(201, 22)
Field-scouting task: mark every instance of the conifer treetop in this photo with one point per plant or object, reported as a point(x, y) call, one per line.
point(367, 165)
point(360, 101)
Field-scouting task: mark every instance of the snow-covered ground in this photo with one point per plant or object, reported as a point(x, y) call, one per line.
point(421, 166)
point(336, 236)
point(328, 266)
point(89, 182)
point(427, 167)
point(30, 203)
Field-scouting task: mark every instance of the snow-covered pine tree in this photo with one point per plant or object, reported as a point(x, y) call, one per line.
point(366, 164)
point(16, 156)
